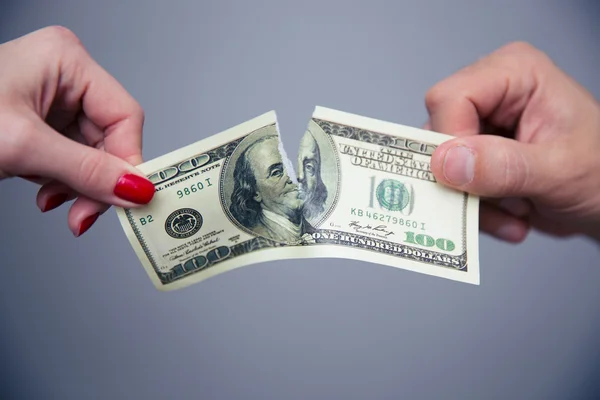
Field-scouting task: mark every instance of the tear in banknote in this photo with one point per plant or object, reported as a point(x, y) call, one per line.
point(363, 190)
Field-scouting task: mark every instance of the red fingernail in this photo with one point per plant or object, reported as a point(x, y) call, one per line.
point(135, 188)
point(55, 201)
point(87, 223)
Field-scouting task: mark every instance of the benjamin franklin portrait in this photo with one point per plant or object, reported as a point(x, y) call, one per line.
point(264, 199)
point(312, 189)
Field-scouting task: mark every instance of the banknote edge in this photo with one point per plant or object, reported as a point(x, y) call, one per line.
point(287, 163)
point(147, 168)
point(213, 140)
point(470, 212)
point(377, 125)
point(273, 254)
point(137, 247)
point(471, 205)
point(238, 132)
point(323, 252)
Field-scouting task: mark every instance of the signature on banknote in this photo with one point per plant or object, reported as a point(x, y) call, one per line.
point(363, 190)
point(377, 230)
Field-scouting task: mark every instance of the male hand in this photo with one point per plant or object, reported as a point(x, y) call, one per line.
point(528, 138)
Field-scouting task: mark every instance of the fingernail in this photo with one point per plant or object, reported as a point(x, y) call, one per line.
point(459, 165)
point(87, 223)
point(135, 188)
point(517, 207)
point(55, 201)
point(511, 233)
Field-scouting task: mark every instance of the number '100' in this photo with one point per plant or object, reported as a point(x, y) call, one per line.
point(200, 262)
point(428, 241)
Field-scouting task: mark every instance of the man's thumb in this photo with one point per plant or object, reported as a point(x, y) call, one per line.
point(494, 166)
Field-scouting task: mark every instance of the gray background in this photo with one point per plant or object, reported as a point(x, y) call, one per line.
point(81, 320)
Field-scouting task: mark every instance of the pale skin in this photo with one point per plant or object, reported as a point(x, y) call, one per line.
point(68, 125)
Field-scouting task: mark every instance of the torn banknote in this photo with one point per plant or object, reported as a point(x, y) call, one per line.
point(363, 189)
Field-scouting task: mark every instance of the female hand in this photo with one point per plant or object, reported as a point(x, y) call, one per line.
point(68, 125)
point(528, 138)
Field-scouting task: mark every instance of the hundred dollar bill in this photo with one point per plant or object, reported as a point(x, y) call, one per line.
point(363, 190)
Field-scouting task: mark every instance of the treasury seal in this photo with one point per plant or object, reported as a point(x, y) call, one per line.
point(183, 223)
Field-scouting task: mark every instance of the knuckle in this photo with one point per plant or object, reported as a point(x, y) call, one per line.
point(521, 54)
point(60, 34)
point(91, 169)
point(55, 41)
point(519, 47)
point(517, 174)
point(435, 96)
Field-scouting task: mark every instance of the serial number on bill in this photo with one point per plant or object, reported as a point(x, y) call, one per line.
point(390, 219)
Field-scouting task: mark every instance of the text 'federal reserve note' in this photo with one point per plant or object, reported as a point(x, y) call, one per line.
point(363, 189)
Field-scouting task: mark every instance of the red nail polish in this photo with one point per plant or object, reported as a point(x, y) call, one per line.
point(55, 201)
point(87, 223)
point(135, 188)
